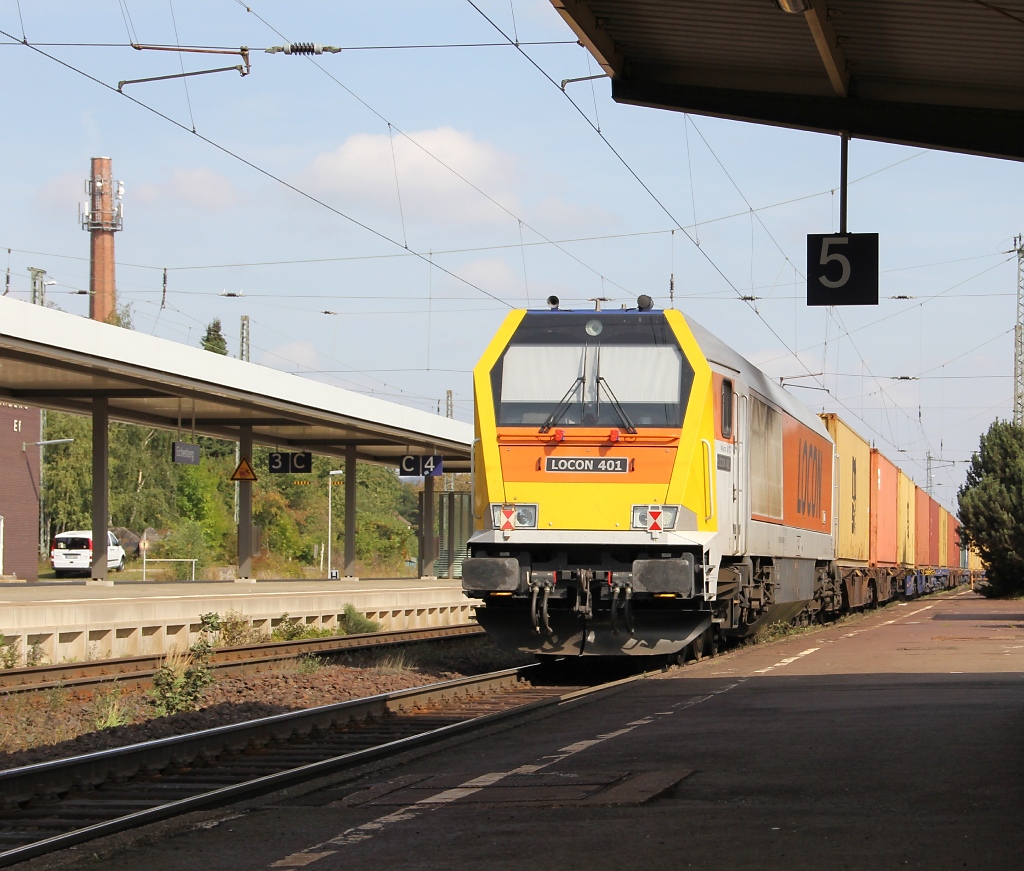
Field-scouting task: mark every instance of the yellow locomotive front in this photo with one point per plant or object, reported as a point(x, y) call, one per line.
point(594, 484)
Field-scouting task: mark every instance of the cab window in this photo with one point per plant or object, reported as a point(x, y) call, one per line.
point(726, 408)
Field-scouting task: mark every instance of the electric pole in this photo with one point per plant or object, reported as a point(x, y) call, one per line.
point(1018, 338)
point(243, 341)
point(38, 277)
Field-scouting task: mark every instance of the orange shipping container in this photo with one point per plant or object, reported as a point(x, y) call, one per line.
point(853, 494)
point(884, 513)
point(933, 532)
point(944, 551)
point(905, 512)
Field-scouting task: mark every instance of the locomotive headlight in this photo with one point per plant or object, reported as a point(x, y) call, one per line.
point(639, 517)
point(666, 519)
point(526, 516)
point(510, 516)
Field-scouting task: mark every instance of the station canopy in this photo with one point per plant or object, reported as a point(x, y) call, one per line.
point(946, 74)
point(60, 361)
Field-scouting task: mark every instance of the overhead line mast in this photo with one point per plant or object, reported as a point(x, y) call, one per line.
point(1018, 346)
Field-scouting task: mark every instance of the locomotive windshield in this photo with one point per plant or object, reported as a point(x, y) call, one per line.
point(621, 370)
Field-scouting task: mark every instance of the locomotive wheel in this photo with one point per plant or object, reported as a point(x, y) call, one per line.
point(697, 647)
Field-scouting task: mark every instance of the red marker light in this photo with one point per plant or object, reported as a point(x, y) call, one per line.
point(613, 435)
point(559, 435)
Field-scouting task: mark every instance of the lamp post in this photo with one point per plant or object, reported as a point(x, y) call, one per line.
point(42, 516)
point(330, 515)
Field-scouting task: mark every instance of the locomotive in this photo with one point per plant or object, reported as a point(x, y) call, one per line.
point(642, 489)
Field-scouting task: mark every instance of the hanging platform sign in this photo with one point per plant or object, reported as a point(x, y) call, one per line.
point(280, 462)
point(185, 453)
point(842, 269)
point(415, 466)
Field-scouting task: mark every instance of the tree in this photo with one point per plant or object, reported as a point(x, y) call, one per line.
point(214, 339)
point(992, 507)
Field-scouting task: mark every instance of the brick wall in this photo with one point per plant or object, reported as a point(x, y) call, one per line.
point(19, 490)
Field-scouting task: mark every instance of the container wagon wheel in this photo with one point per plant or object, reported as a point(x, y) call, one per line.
point(872, 597)
point(713, 640)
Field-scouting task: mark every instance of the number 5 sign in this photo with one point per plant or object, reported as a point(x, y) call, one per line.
point(842, 269)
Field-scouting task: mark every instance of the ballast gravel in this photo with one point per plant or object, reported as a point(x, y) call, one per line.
point(55, 724)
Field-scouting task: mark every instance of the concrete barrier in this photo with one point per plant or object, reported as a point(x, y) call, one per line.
point(73, 623)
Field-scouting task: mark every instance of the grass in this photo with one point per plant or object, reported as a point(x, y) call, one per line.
point(392, 663)
point(309, 663)
point(111, 708)
point(775, 632)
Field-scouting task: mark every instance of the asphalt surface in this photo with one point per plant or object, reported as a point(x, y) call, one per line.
point(889, 740)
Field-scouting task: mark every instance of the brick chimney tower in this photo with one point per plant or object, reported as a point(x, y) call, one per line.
point(101, 216)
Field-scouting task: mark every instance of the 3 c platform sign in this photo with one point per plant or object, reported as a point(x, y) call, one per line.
point(842, 269)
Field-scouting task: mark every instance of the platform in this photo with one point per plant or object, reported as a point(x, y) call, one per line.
point(71, 621)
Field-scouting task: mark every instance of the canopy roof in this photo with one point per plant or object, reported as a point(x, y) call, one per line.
point(945, 74)
point(60, 361)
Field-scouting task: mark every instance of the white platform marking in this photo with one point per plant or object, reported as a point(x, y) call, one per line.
point(787, 660)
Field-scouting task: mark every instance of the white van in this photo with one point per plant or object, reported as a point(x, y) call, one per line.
point(72, 553)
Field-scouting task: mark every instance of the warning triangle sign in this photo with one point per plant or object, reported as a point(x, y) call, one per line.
point(244, 471)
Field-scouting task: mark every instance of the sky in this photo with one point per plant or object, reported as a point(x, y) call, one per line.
point(377, 212)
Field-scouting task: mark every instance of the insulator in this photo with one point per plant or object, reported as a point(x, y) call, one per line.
point(303, 48)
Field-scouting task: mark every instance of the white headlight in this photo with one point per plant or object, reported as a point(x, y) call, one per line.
point(639, 520)
point(526, 516)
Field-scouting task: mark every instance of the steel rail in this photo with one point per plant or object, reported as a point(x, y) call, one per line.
point(52, 779)
point(137, 670)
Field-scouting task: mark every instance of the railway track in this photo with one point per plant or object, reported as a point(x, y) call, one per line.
point(56, 804)
point(134, 671)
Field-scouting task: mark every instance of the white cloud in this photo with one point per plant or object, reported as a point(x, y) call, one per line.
point(362, 170)
point(188, 188)
point(292, 356)
point(494, 275)
point(60, 195)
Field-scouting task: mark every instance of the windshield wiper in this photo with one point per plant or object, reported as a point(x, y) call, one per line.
point(619, 410)
point(563, 405)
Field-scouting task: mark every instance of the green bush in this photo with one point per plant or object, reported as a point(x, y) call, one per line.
point(187, 541)
point(10, 653)
point(237, 631)
point(179, 683)
point(293, 629)
point(354, 623)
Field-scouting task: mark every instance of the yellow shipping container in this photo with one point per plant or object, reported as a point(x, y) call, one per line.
point(974, 562)
point(853, 492)
point(944, 538)
point(905, 517)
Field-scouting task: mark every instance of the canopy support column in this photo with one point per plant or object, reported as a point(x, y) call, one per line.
point(245, 507)
point(427, 553)
point(100, 487)
point(350, 511)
